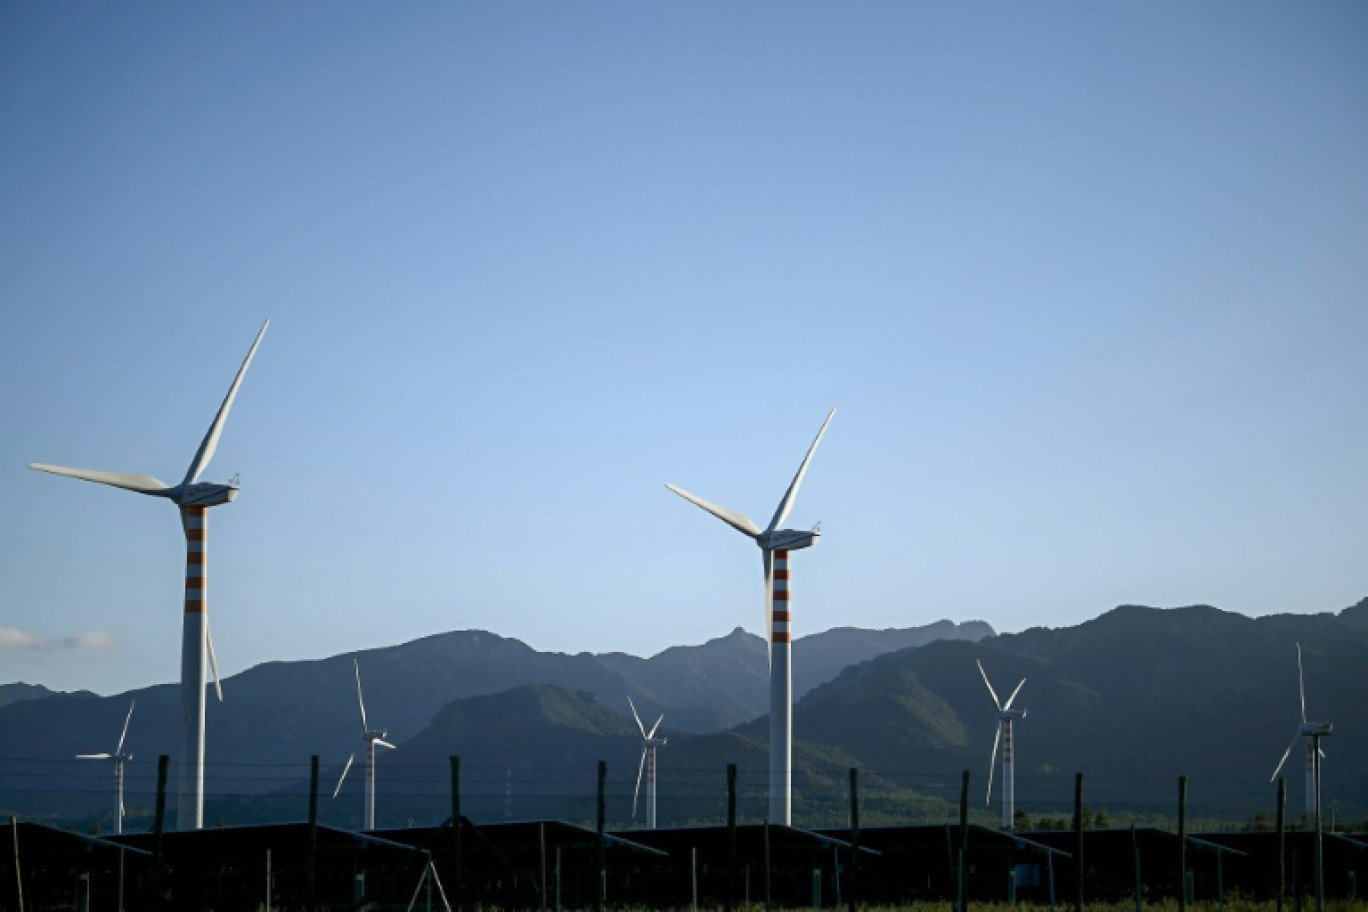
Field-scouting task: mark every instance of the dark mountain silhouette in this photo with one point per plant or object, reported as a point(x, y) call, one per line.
point(280, 713)
point(1132, 699)
point(14, 693)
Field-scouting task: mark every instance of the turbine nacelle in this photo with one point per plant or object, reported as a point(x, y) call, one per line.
point(788, 539)
point(1009, 715)
point(1308, 729)
point(203, 494)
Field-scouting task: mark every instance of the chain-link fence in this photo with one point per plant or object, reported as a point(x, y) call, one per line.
point(82, 796)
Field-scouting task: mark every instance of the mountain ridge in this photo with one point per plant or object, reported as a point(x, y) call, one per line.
point(1134, 698)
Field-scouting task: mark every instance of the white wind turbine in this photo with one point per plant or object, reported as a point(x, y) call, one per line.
point(1310, 734)
point(194, 498)
point(775, 544)
point(649, 743)
point(369, 739)
point(119, 758)
point(1006, 716)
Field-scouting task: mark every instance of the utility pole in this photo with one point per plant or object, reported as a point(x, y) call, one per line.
point(854, 836)
point(731, 835)
point(601, 894)
point(962, 900)
point(1078, 841)
point(1182, 844)
point(1282, 847)
point(456, 821)
point(311, 872)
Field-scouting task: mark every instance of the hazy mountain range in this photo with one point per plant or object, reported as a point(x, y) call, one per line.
point(1132, 699)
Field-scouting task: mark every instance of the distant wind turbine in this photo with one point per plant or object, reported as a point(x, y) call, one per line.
point(1309, 733)
point(1006, 716)
point(119, 758)
point(194, 498)
point(775, 544)
point(369, 739)
point(649, 743)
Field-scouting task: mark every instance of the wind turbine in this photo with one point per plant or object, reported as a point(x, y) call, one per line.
point(1310, 734)
point(649, 743)
point(1006, 716)
point(775, 544)
point(369, 739)
point(194, 498)
point(119, 758)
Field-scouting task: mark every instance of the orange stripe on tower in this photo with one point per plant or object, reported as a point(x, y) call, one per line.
point(192, 520)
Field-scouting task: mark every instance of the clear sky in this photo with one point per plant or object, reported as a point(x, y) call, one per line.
point(1088, 283)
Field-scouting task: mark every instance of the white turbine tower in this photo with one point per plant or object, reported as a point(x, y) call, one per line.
point(775, 544)
point(194, 498)
point(119, 758)
point(369, 739)
point(1006, 716)
point(1309, 733)
point(649, 743)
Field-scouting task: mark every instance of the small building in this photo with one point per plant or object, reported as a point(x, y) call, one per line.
point(288, 865)
point(58, 869)
point(1258, 869)
point(718, 866)
point(1125, 862)
point(922, 863)
point(538, 864)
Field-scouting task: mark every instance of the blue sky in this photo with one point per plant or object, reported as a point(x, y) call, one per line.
point(1087, 283)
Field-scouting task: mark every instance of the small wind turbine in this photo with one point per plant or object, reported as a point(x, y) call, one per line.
point(194, 498)
point(1006, 716)
point(775, 544)
point(369, 739)
point(649, 743)
point(119, 758)
point(1310, 734)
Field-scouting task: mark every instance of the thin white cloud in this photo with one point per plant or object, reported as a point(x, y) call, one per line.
point(15, 640)
point(12, 640)
point(91, 641)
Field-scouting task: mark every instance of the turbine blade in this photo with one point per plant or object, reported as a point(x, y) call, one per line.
point(638, 718)
point(383, 743)
point(211, 438)
point(94, 756)
point(635, 792)
point(651, 734)
point(1301, 686)
point(737, 521)
point(213, 660)
point(1277, 769)
point(360, 701)
point(131, 704)
point(786, 504)
point(1008, 704)
point(992, 762)
point(129, 481)
point(343, 777)
point(992, 693)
